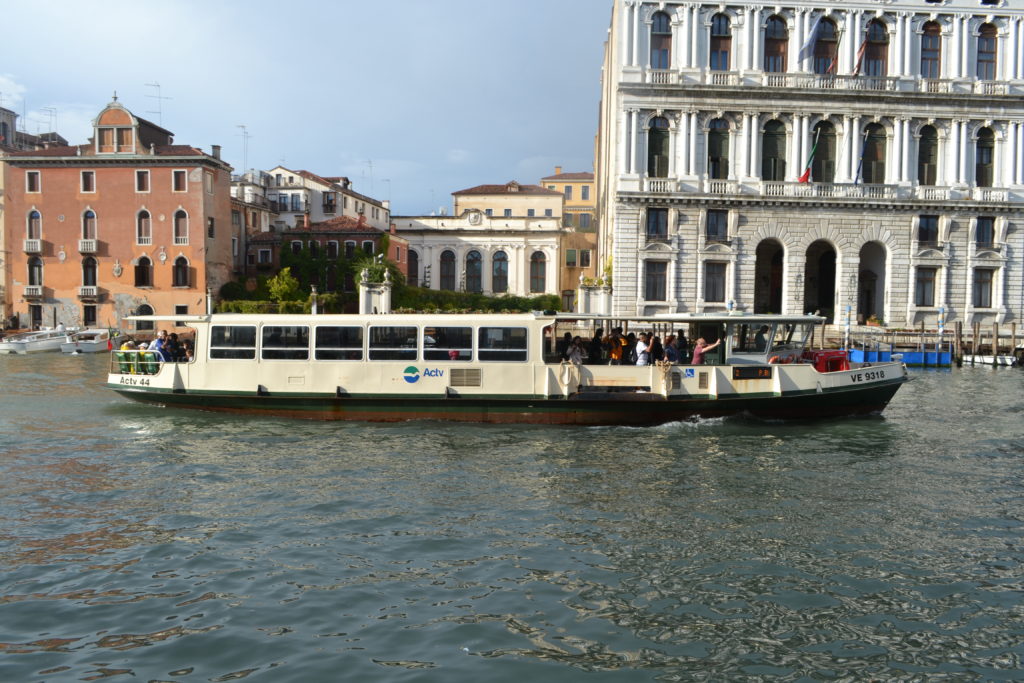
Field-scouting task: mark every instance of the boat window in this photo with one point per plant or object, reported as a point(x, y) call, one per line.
point(393, 343)
point(233, 341)
point(790, 337)
point(448, 343)
point(339, 343)
point(755, 338)
point(502, 343)
point(285, 342)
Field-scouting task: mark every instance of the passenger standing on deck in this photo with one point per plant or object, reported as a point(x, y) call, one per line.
point(683, 346)
point(760, 340)
point(656, 350)
point(671, 350)
point(595, 348)
point(562, 347)
point(643, 345)
point(577, 354)
point(616, 346)
point(701, 347)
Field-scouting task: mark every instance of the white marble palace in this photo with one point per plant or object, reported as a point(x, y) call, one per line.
point(815, 156)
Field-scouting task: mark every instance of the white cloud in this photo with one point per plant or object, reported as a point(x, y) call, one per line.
point(12, 93)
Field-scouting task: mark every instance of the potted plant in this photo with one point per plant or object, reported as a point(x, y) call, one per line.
point(874, 321)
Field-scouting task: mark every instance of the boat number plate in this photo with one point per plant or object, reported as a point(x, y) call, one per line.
point(868, 375)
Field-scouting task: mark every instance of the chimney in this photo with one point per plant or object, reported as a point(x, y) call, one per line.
point(558, 170)
point(393, 231)
point(216, 151)
point(305, 220)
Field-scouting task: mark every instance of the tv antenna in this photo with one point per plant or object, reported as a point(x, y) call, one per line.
point(159, 102)
point(245, 147)
point(52, 113)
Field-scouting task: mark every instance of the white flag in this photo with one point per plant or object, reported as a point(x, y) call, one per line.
point(808, 46)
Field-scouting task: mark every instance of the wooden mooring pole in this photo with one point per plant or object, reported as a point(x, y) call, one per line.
point(958, 344)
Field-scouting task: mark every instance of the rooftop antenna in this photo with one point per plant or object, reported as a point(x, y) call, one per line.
point(159, 102)
point(369, 162)
point(245, 147)
point(52, 111)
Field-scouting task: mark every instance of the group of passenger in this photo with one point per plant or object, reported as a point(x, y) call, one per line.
point(646, 348)
point(166, 347)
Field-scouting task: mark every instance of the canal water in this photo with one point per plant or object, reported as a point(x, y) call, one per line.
point(147, 544)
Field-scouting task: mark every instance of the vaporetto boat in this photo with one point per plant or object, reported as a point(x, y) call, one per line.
point(498, 368)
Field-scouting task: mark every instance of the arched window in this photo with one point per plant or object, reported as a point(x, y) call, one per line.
point(823, 161)
point(987, 52)
point(718, 149)
point(89, 225)
point(931, 47)
point(873, 161)
point(499, 272)
point(983, 158)
point(144, 272)
point(826, 47)
point(179, 275)
point(144, 309)
point(88, 272)
point(180, 227)
point(657, 148)
point(448, 270)
point(34, 228)
point(143, 228)
point(721, 43)
point(776, 37)
point(538, 273)
point(35, 271)
point(474, 272)
point(876, 49)
point(928, 156)
point(773, 151)
point(661, 41)
point(414, 269)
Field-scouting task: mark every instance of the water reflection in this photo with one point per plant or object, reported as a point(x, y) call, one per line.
point(173, 544)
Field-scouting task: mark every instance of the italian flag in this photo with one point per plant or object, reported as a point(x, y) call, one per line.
point(805, 177)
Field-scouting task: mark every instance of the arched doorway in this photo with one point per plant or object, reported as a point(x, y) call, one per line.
point(820, 279)
point(768, 277)
point(871, 282)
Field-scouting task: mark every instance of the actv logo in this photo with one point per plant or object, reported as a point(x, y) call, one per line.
point(412, 374)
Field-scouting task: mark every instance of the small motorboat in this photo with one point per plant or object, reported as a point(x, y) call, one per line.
point(92, 341)
point(32, 342)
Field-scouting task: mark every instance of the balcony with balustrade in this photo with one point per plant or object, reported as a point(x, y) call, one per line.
point(87, 246)
point(88, 292)
point(754, 188)
point(33, 292)
point(33, 246)
point(670, 78)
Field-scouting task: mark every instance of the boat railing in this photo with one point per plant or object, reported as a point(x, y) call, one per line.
point(135, 362)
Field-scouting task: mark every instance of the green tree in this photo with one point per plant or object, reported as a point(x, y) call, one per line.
point(284, 287)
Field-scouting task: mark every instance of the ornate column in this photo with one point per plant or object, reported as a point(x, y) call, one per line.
point(962, 170)
point(693, 144)
point(905, 151)
point(895, 170)
point(692, 44)
point(636, 34)
point(680, 153)
point(755, 27)
point(953, 153)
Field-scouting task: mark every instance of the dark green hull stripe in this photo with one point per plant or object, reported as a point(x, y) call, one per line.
point(644, 409)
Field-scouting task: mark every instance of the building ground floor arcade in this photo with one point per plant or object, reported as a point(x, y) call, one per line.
point(903, 265)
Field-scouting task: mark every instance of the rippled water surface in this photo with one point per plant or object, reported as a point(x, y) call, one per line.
point(147, 544)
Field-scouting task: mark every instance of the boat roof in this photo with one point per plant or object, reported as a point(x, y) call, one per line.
point(727, 318)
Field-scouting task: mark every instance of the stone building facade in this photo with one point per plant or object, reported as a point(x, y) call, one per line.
point(128, 223)
point(815, 157)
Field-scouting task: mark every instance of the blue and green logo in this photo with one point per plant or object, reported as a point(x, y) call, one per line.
point(412, 375)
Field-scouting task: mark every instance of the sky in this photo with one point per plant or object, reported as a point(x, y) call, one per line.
point(410, 99)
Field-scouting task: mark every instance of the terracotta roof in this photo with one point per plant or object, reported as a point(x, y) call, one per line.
point(341, 225)
point(88, 151)
point(314, 177)
point(508, 188)
point(569, 176)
